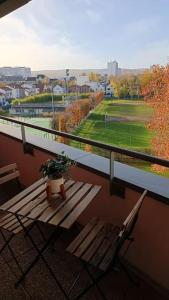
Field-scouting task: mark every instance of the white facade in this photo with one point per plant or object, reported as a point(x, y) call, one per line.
point(112, 68)
point(58, 90)
point(16, 71)
point(18, 93)
point(2, 98)
point(95, 86)
point(109, 90)
point(7, 92)
point(82, 79)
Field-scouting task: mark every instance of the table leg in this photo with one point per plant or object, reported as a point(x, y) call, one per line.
point(39, 255)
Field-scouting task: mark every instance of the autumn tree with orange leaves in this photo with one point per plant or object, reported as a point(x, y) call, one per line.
point(156, 94)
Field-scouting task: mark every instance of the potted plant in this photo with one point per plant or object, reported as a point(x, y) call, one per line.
point(55, 169)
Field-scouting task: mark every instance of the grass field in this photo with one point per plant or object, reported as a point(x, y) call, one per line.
point(126, 126)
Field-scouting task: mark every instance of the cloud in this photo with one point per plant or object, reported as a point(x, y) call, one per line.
point(93, 15)
point(153, 53)
point(21, 45)
point(141, 27)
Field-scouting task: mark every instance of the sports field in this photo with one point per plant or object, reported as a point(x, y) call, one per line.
point(119, 122)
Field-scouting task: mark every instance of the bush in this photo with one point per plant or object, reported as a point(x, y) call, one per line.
point(41, 98)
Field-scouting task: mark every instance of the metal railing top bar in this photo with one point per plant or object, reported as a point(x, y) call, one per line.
point(130, 153)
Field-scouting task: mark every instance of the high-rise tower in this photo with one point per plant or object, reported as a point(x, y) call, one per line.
point(112, 68)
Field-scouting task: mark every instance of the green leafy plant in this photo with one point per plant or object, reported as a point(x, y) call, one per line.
point(56, 168)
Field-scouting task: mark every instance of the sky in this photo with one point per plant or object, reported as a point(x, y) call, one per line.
point(63, 34)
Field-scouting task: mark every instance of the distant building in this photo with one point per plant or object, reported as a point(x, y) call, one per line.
point(109, 90)
point(96, 86)
point(11, 79)
point(31, 79)
point(40, 77)
point(2, 97)
point(35, 109)
point(85, 88)
point(82, 79)
point(16, 71)
point(112, 68)
point(58, 90)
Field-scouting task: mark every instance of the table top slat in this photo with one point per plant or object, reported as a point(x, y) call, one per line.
point(40, 209)
point(18, 206)
point(32, 204)
point(65, 210)
point(53, 209)
point(68, 222)
point(36, 212)
point(21, 195)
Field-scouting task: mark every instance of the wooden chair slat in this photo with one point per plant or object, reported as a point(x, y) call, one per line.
point(11, 167)
point(21, 195)
point(87, 256)
point(97, 258)
point(107, 259)
point(9, 177)
point(89, 239)
point(80, 208)
point(78, 240)
point(65, 210)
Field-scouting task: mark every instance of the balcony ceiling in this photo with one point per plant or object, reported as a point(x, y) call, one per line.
point(7, 6)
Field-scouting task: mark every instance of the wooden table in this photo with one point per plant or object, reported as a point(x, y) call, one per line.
point(32, 204)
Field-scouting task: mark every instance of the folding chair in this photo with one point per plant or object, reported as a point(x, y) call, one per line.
point(9, 173)
point(9, 221)
point(99, 245)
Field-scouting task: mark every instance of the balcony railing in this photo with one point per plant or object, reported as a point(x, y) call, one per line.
point(112, 150)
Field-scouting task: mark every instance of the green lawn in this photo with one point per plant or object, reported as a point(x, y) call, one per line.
point(131, 134)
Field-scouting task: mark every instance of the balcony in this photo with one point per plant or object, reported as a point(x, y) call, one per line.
point(121, 186)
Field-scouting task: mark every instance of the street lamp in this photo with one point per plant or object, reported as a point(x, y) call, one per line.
point(52, 104)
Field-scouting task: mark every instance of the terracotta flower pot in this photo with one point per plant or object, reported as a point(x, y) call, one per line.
point(55, 185)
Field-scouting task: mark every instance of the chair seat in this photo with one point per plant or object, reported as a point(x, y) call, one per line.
point(94, 243)
point(10, 222)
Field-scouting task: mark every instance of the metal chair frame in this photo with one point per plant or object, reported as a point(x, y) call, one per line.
point(125, 234)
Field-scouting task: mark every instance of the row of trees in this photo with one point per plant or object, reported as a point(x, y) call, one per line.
point(74, 113)
point(156, 94)
point(130, 86)
point(40, 98)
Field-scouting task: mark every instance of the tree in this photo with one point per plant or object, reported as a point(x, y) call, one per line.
point(145, 79)
point(94, 77)
point(156, 93)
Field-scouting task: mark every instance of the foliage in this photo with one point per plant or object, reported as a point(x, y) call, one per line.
point(40, 98)
point(3, 112)
point(156, 93)
point(56, 168)
point(94, 77)
point(88, 148)
point(130, 86)
point(75, 112)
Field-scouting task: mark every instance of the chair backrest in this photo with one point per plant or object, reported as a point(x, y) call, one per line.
point(127, 227)
point(8, 173)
